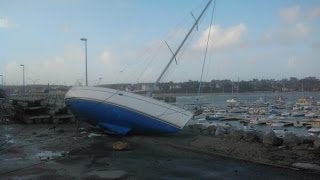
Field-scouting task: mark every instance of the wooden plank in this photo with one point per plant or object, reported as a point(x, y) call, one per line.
point(63, 116)
point(39, 117)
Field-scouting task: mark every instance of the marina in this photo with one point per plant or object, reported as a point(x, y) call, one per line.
point(95, 90)
point(258, 117)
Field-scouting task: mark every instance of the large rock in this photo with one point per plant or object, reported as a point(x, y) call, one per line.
point(291, 140)
point(199, 127)
point(220, 131)
point(211, 129)
point(308, 166)
point(316, 144)
point(308, 140)
point(193, 129)
point(271, 139)
point(251, 136)
point(236, 133)
point(188, 129)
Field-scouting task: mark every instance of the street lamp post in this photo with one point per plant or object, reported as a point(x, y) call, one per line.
point(1, 80)
point(23, 79)
point(85, 41)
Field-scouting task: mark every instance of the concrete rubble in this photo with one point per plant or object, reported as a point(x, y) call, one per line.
point(270, 138)
point(255, 146)
point(191, 154)
point(307, 166)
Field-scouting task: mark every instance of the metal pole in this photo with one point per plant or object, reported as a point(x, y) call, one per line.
point(23, 89)
point(1, 80)
point(85, 41)
point(86, 65)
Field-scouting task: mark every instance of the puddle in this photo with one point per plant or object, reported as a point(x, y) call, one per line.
point(47, 155)
point(94, 135)
point(8, 138)
point(108, 174)
point(12, 159)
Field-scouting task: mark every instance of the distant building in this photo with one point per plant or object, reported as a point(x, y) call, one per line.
point(175, 86)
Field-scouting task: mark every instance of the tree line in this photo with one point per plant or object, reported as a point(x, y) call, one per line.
point(228, 86)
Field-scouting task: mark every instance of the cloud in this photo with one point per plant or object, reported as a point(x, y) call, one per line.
point(290, 14)
point(292, 63)
point(286, 35)
point(13, 73)
point(122, 3)
point(66, 28)
point(64, 67)
point(222, 37)
point(296, 25)
point(12, 68)
point(107, 57)
point(54, 62)
point(296, 13)
point(6, 23)
point(301, 30)
point(313, 13)
point(316, 45)
point(73, 53)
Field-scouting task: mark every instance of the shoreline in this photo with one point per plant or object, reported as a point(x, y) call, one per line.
point(254, 146)
point(90, 154)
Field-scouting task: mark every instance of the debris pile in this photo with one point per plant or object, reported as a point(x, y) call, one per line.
point(37, 110)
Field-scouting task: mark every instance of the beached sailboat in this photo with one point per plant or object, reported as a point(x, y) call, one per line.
point(126, 113)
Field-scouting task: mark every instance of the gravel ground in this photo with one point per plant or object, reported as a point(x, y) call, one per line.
point(39, 152)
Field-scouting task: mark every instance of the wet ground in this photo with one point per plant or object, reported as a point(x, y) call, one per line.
point(39, 152)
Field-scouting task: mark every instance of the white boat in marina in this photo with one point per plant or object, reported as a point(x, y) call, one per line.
point(310, 115)
point(314, 131)
point(297, 114)
point(232, 102)
point(278, 129)
point(297, 124)
point(285, 114)
point(258, 121)
point(123, 112)
point(215, 117)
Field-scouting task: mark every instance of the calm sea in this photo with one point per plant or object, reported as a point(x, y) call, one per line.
point(219, 100)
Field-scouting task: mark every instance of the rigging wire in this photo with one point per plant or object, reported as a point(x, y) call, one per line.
point(211, 54)
point(149, 63)
point(183, 50)
point(205, 55)
point(172, 68)
point(187, 45)
point(212, 50)
point(173, 35)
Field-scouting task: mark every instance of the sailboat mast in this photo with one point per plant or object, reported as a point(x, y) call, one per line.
point(302, 90)
point(179, 48)
point(232, 89)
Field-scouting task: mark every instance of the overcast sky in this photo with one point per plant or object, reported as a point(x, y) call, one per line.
point(126, 40)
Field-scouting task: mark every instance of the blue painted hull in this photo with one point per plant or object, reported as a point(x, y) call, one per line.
point(117, 119)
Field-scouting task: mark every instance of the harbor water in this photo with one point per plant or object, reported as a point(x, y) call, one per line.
point(218, 101)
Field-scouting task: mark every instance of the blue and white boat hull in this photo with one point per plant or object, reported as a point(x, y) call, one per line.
point(123, 112)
